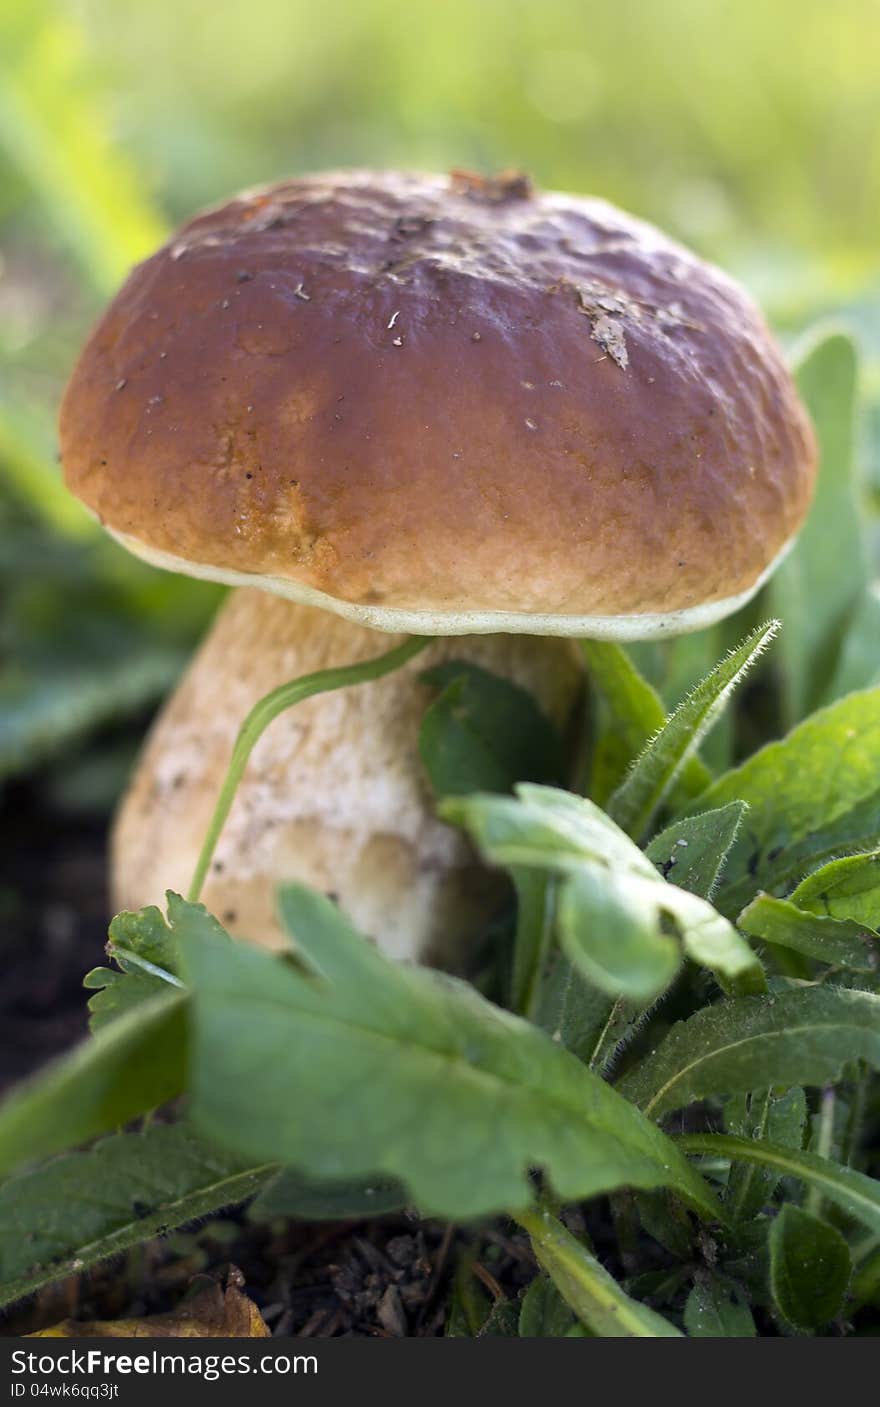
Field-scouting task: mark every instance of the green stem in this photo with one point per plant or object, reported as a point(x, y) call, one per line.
point(536, 908)
point(267, 710)
point(585, 1285)
point(824, 1143)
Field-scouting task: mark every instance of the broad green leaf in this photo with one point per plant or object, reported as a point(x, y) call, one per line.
point(855, 1194)
point(611, 930)
point(810, 796)
point(543, 1313)
point(691, 852)
point(291, 1194)
point(639, 796)
point(607, 887)
point(71, 1213)
point(146, 950)
point(823, 577)
point(844, 889)
point(717, 1309)
point(801, 1036)
point(484, 733)
point(633, 712)
point(370, 1068)
point(810, 1268)
point(586, 1286)
point(133, 1064)
point(841, 943)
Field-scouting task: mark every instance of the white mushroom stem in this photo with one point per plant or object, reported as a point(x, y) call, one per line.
point(334, 794)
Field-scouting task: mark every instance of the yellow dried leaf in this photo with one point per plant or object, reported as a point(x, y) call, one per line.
point(211, 1314)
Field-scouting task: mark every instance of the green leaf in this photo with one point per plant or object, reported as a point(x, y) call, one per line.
point(716, 1309)
point(611, 931)
point(293, 1194)
point(810, 796)
point(607, 887)
point(146, 950)
point(484, 733)
point(839, 942)
point(859, 664)
point(637, 799)
point(633, 713)
point(691, 852)
point(133, 1064)
point(571, 1010)
point(802, 1036)
point(781, 1118)
point(593, 1294)
point(71, 1213)
point(810, 1268)
point(844, 889)
point(855, 1194)
point(543, 1313)
point(371, 1068)
point(817, 586)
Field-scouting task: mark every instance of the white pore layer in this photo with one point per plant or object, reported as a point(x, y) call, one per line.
point(409, 621)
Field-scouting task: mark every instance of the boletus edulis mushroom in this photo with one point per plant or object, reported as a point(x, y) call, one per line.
point(413, 404)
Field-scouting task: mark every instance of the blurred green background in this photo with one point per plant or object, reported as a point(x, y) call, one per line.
point(748, 128)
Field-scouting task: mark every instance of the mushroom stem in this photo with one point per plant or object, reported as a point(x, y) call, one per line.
point(266, 710)
point(332, 793)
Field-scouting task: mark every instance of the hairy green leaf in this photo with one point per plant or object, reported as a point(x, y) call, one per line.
point(71, 1213)
point(802, 1036)
point(633, 712)
point(691, 852)
point(810, 796)
point(844, 889)
point(370, 1068)
point(543, 1313)
point(717, 1309)
point(855, 1194)
point(810, 1268)
point(639, 796)
point(839, 942)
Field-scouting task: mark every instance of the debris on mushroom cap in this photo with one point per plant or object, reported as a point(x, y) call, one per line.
point(334, 796)
point(341, 361)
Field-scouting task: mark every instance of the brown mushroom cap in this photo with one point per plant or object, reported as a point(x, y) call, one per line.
point(443, 405)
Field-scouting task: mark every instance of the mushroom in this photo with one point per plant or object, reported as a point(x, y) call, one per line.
point(406, 403)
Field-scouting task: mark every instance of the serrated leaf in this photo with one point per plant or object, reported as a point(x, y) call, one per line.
point(372, 1068)
point(717, 1309)
point(838, 942)
point(639, 796)
point(810, 796)
point(691, 852)
point(633, 712)
point(810, 1268)
point(855, 1194)
point(134, 1063)
point(484, 733)
point(802, 1036)
point(71, 1213)
point(292, 1194)
point(823, 577)
point(585, 1284)
point(543, 1313)
point(606, 886)
point(146, 950)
